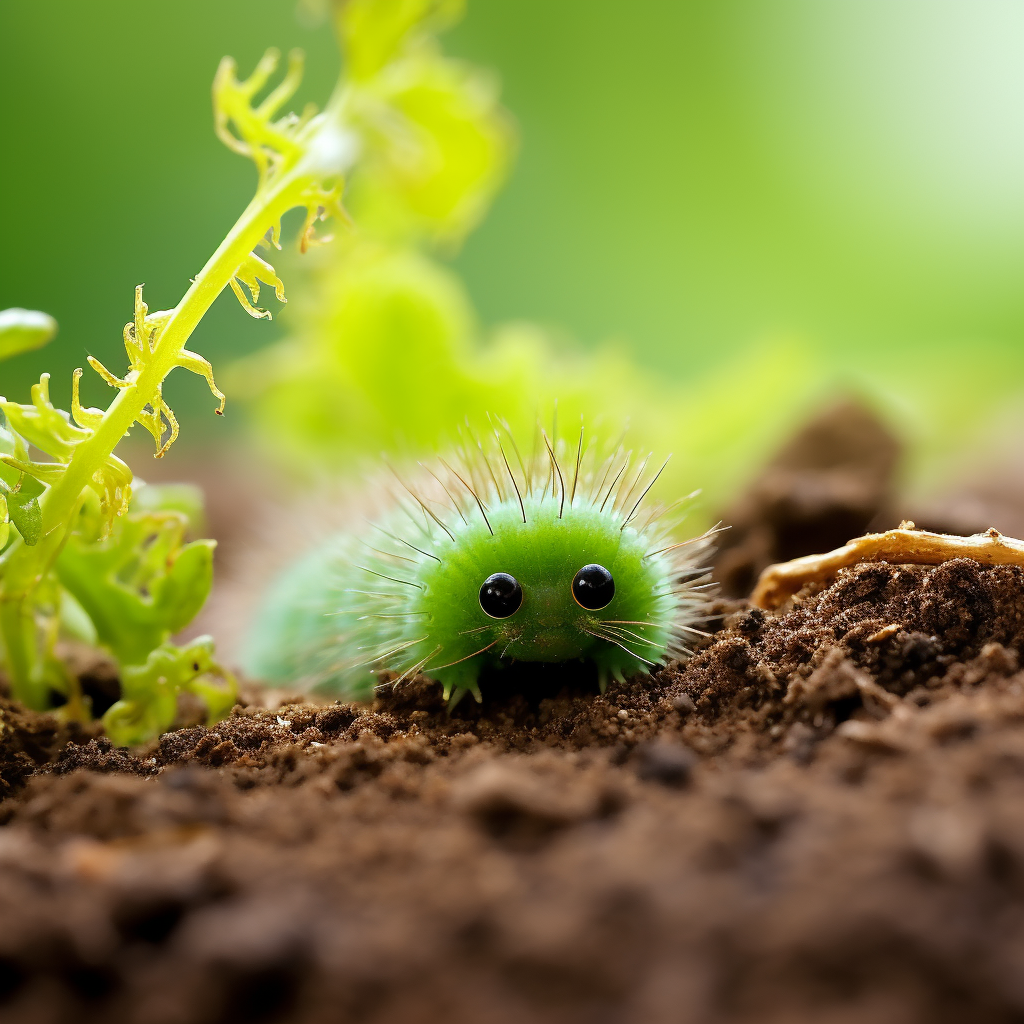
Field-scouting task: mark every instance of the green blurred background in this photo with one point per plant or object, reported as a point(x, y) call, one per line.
point(694, 178)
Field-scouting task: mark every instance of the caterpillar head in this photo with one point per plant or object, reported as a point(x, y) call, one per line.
point(523, 567)
point(550, 588)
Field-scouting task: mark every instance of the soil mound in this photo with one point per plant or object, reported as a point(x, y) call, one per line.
point(816, 819)
point(832, 481)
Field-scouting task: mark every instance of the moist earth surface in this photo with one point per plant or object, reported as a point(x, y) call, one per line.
point(818, 818)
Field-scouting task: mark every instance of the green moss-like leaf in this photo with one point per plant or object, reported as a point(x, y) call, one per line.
point(149, 692)
point(140, 584)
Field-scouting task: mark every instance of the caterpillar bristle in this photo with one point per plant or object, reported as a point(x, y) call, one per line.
point(459, 661)
point(611, 486)
point(454, 502)
point(511, 476)
point(643, 494)
point(476, 497)
point(393, 579)
point(490, 469)
point(556, 469)
point(400, 540)
point(413, 670)
point(622, 497)
point(423, 506)
point(389, 554)
point(579, 459)
point(607, 468)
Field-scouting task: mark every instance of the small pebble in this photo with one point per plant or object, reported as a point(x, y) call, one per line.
point(684, 704)
point(668, 763)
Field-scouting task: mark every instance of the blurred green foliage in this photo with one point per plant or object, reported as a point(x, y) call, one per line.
point(739, 204)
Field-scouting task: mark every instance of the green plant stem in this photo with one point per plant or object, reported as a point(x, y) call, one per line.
point(23, 567)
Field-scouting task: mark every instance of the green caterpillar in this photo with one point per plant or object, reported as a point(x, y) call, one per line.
point(494, 559)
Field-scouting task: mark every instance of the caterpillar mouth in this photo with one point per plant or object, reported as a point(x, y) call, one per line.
point(555, 644)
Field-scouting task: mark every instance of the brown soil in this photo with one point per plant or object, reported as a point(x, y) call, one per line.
point(816, 820)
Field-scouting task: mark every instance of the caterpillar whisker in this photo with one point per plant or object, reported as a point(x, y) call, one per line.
point(393, 579)
point(622, 497)
point(486, 461)
point(390, 554)
point(694, 631)
point(393, 615)
point(677, 545)
point(660, 511)
point(412, 670)
point(611, 487)
point(607, 468)
point(610, 640)
point(393, 651)
point(519, 457)
point(635, 622)
point(437, 668)
point(623, 634)
point(451, 497)
point(556, 469)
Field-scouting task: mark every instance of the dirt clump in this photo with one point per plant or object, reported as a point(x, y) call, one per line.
point(815, 820)
point(28, 740)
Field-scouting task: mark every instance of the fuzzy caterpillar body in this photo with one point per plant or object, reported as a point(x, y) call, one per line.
point(547, 562)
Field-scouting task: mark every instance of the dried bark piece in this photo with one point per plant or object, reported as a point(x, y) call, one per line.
point(905, 546)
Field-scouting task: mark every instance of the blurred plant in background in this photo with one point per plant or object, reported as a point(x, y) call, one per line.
point(695, 180)
point(386, 353)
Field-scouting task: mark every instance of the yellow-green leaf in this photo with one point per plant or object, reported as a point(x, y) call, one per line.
point(22, 330)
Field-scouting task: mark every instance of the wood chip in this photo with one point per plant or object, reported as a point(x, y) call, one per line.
point(901, 547)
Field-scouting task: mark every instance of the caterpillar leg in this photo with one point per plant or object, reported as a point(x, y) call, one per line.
point(457, 684)
point(617, 666)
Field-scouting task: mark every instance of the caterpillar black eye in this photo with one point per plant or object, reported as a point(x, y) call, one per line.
point(593, 587)
point(501, 595)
